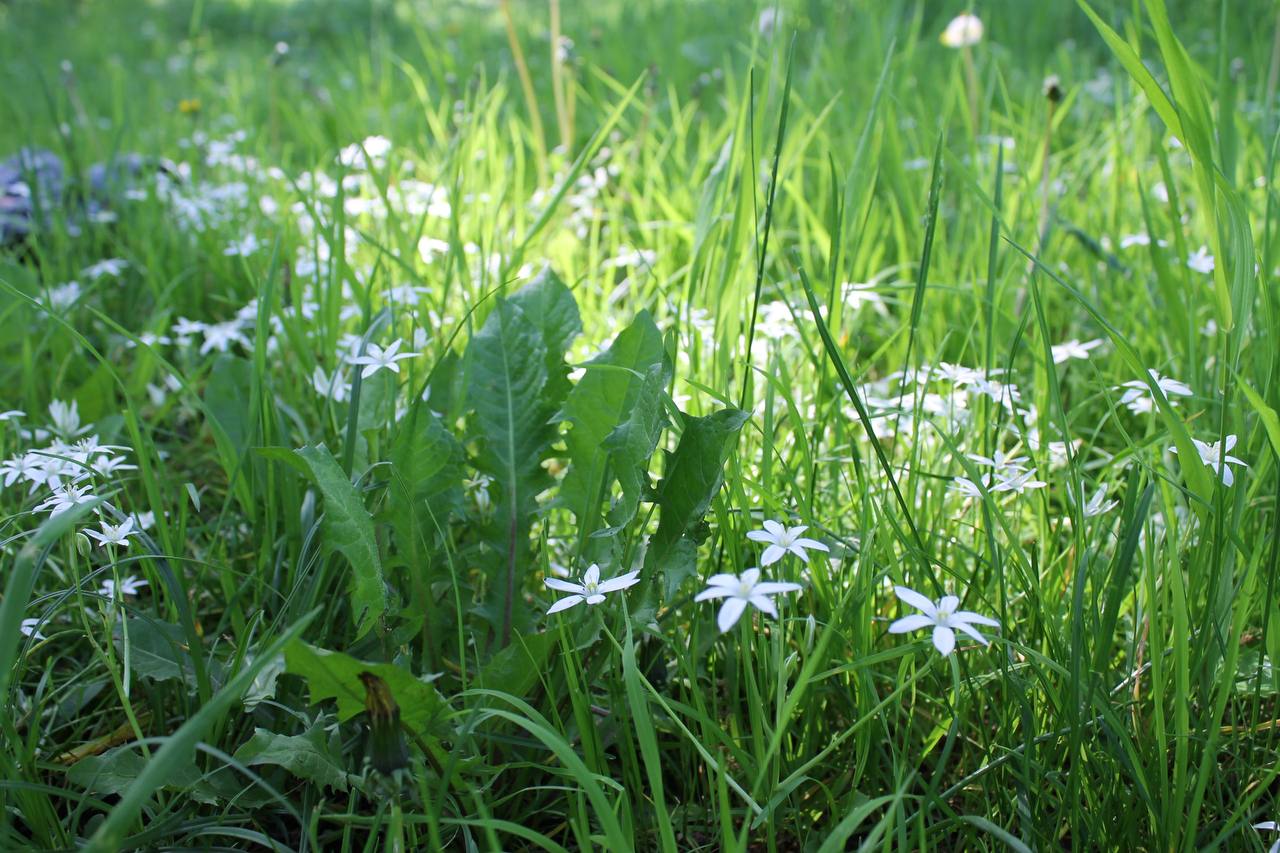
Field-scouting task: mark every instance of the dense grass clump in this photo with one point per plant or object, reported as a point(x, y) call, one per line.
point(639, 425)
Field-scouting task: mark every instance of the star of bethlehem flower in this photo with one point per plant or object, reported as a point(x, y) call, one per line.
point(592, 590)
point(943, 617)
point(784, 540)
point(31, 628)
point(113, 534)
point(1214, 454)
point(1000, 462)
point(1016, 481)
point(741, 590)
point(1201, 261)
point(66, 498)
point(1073, 349)
point(963, 31)
point(1098, 503)
point(377, 358)
point(1137, 396)
point(129, 586)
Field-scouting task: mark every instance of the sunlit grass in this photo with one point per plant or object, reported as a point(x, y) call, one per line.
point(381, 472)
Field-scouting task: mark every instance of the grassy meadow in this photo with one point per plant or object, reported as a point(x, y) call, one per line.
point(652, 425)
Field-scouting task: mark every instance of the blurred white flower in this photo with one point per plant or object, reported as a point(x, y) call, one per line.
point(1098, 503)
point(245, 246)
point(129, 586)
point(1016, 481)
point(1073, 349)
point(66, 418)
point(1201, 261)
point(963, 31)
point(111, 267)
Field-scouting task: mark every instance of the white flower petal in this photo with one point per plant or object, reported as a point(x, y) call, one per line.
point(729, 613)
point(916, 600)
point(774, 587)
point(765, 604)
point(620, 582)
point(944, 639)
point(971, 631)
point(713, 592)
point(772, 554)
point(976, 618)
point(562, 586)
point(914, 622)
point(565, 604)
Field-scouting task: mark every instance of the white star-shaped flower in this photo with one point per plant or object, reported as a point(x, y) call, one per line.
point(592, 590)
point(1214, 454)
point(741, 590)
point(1073, 349)
point(113, 534)
point(1201, 261)
point(376, 358)
point(129, 586)
point(944, 618)
point(784, 540)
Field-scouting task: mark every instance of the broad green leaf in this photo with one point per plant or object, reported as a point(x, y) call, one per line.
point(515, 669)
point(517, 384)
point(603, 401)
point(426, 475)
point(549, 305)
point(157, 650)
point(334, 675)
point(307, 756)
point(226, 396)
point(112, 772)
point(348, 529)
point(631, 444)
point(695, 472)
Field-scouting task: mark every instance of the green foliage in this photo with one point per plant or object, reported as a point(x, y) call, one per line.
point(334, 675)
point(616, 417)
point(155, 650)
point(348, 529)
point(311, 756)
point(518, 381)
point(694, 473)
point(812, 209)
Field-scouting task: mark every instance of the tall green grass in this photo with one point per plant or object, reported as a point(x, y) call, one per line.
point(694, 361)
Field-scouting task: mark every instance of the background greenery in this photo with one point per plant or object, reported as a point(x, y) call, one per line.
point(1129, 698)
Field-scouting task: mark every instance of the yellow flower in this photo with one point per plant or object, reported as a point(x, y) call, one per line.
point(189, 106)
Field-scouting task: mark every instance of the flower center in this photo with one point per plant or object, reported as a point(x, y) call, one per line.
point(943, 616)
point(590, 587)
point(744, 589)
